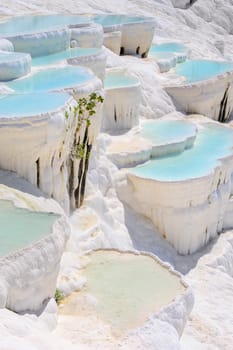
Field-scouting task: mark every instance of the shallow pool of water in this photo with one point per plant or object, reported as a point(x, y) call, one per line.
point(11, 56)
point(197, 70)
point(129, 288)
point(167, 47)
point(21, 227)
point(109, 20)
point(119, 79)
point(24, 105)
point(64, 55)
point(166, 131)
point(34, 24)
point(52, 79)
point(212, 142)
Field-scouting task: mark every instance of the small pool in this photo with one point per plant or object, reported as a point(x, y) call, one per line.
point(212, 142)
point(129, 288)
point(24, 105)
point(52, 79)
point(21, 227)
point(166, 131)
point(64, 55)
point(197, 70)
point(118, 80)
point(111, 20)
point(168, 48)
point(33, 24)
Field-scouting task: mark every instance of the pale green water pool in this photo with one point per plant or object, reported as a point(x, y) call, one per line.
point(21, 227)
point(129, 287)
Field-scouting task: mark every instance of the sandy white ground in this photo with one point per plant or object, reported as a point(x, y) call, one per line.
point(205, 29)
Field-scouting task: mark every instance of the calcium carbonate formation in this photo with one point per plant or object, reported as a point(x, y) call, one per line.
point(55, 73)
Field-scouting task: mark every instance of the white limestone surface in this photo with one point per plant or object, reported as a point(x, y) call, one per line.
point(137, 37)
point(96, 62)
point(122, 101)
point(87, 36)
point(172, 205)
point(203, 97)
point(14, 65)
point(136, 32)
point(6, 45)
point(44, 162)
point(210, 325)
point(41, 43)
point(28, 276)
point(112, 41)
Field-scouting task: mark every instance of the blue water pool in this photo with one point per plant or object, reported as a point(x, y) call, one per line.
point(197, 70)
point(6, 57)
point(21, 227)
point(64, 55)
point(167, 47)
point(23, 105)
point(119, 79)
point(34, 24)
point(167, 131)
point(212, 142)
point(52, 79)
point(110, 20)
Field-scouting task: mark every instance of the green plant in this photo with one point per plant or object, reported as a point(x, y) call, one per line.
point(58, 296)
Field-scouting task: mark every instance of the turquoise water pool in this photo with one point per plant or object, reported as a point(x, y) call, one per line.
point(197, 70)
point(119, 79)
point(212, 142)
point(12, 56)
point(13, 106)
point(21, 227)
point(64, 55)
point(167, 131)
point(52, 79)
point(110, 20)
point(167, 47)
point(34, 24)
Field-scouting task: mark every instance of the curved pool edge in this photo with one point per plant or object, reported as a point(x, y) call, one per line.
point(33, 268)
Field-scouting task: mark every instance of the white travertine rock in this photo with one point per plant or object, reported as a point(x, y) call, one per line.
point(14, 65)
point(137, 37)
point(183, 4)
point(96, 62)
point(87, 36)
point(173, 205)
point(46, 163)
point(6, 45)
point(112, 41)
point(44, 43)
point(122, 101)
point(203, 97)
point(166, 61)
point(28, 276)
point(136, 32)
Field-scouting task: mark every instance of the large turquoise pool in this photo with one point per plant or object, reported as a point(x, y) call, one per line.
point(167, 47)
point(24, 105)
point(119, 79)
point(34, 24)
point(212, 142)
point(52, 79)
point(197, 70)
point(63, 55)
point(166, 131)
point(110, 20)
point(21, 227)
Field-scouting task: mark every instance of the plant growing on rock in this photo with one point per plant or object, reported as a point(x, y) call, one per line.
point(81, 146)
point(58, 296)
